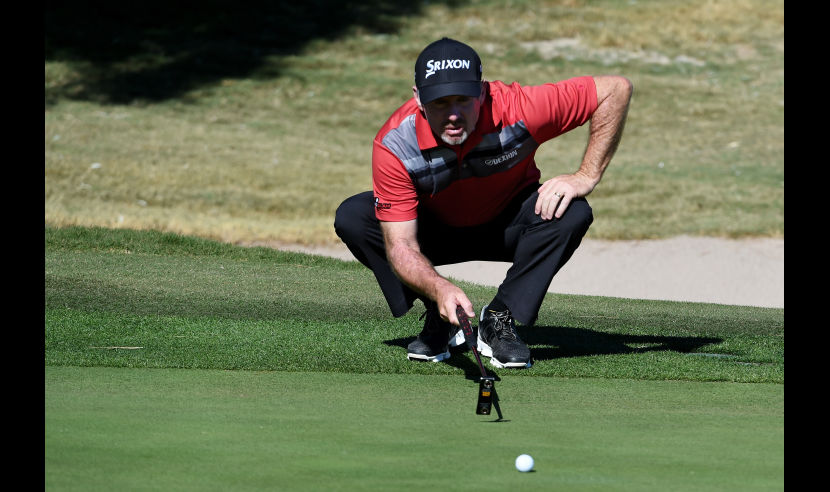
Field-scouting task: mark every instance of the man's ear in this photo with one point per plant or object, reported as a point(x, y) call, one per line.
point(483, 95)
point(417, 98)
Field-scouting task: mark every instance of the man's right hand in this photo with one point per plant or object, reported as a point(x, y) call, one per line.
point(416, 271)
point(449, 301)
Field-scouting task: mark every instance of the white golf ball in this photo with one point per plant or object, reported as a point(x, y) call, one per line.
point(524, 463)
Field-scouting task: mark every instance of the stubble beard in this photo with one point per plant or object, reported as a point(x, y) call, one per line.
point(455, 140)
point(447, 139)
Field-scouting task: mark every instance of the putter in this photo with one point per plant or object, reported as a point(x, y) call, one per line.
point(487, 395)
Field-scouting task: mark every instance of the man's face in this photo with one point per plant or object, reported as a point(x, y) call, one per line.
point(452, 118)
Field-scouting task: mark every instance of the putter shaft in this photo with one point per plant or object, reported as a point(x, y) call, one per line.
point(467, 329)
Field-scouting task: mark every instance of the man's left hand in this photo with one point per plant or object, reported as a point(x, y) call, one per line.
point(556, 194)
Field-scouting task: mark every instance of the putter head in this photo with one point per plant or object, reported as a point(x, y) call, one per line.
point(486, 390)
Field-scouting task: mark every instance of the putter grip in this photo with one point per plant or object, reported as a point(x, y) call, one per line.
point(465, 322)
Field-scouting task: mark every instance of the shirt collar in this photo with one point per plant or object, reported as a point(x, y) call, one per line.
point(426, 139)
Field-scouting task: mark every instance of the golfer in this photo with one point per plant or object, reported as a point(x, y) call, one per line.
point(454, 179)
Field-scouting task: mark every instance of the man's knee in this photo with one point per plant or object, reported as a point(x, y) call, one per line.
point(576, 219)
point(573, 224)
point(578, 216)
point(350, 217)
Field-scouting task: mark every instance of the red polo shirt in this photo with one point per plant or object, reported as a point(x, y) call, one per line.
point(469, 184)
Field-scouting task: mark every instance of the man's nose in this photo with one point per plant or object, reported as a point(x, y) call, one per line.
point(454, 112)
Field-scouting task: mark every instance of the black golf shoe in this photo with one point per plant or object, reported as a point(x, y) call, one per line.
point(497, 339)
point(434, 342)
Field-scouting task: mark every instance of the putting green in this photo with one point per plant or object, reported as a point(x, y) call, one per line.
point(173, 429)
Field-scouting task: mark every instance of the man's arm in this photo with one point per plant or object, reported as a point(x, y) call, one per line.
point(607, 123)
point(416, 271)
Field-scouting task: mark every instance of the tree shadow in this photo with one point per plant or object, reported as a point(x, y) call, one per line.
point(156, 50)
point(554, 342)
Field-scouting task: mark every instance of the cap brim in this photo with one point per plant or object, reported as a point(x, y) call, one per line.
point(432, 92)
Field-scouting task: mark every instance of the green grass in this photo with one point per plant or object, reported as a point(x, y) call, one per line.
point(165, 429)
point(194, 303)
point(160, 117)
point(179, 363)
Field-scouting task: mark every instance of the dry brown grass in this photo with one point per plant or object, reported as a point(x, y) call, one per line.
point(270, 158)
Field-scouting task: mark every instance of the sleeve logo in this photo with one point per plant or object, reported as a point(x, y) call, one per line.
point(382, 205)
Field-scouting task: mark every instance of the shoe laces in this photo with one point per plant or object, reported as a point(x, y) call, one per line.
point(504, 326)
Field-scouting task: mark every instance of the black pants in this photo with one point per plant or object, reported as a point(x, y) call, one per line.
point(537, 248)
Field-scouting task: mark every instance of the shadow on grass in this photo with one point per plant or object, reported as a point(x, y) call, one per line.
point(156, 50)
point(555, 342)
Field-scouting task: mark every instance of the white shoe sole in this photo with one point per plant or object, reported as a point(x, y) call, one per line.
point(426, 358)
point(455, 341)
